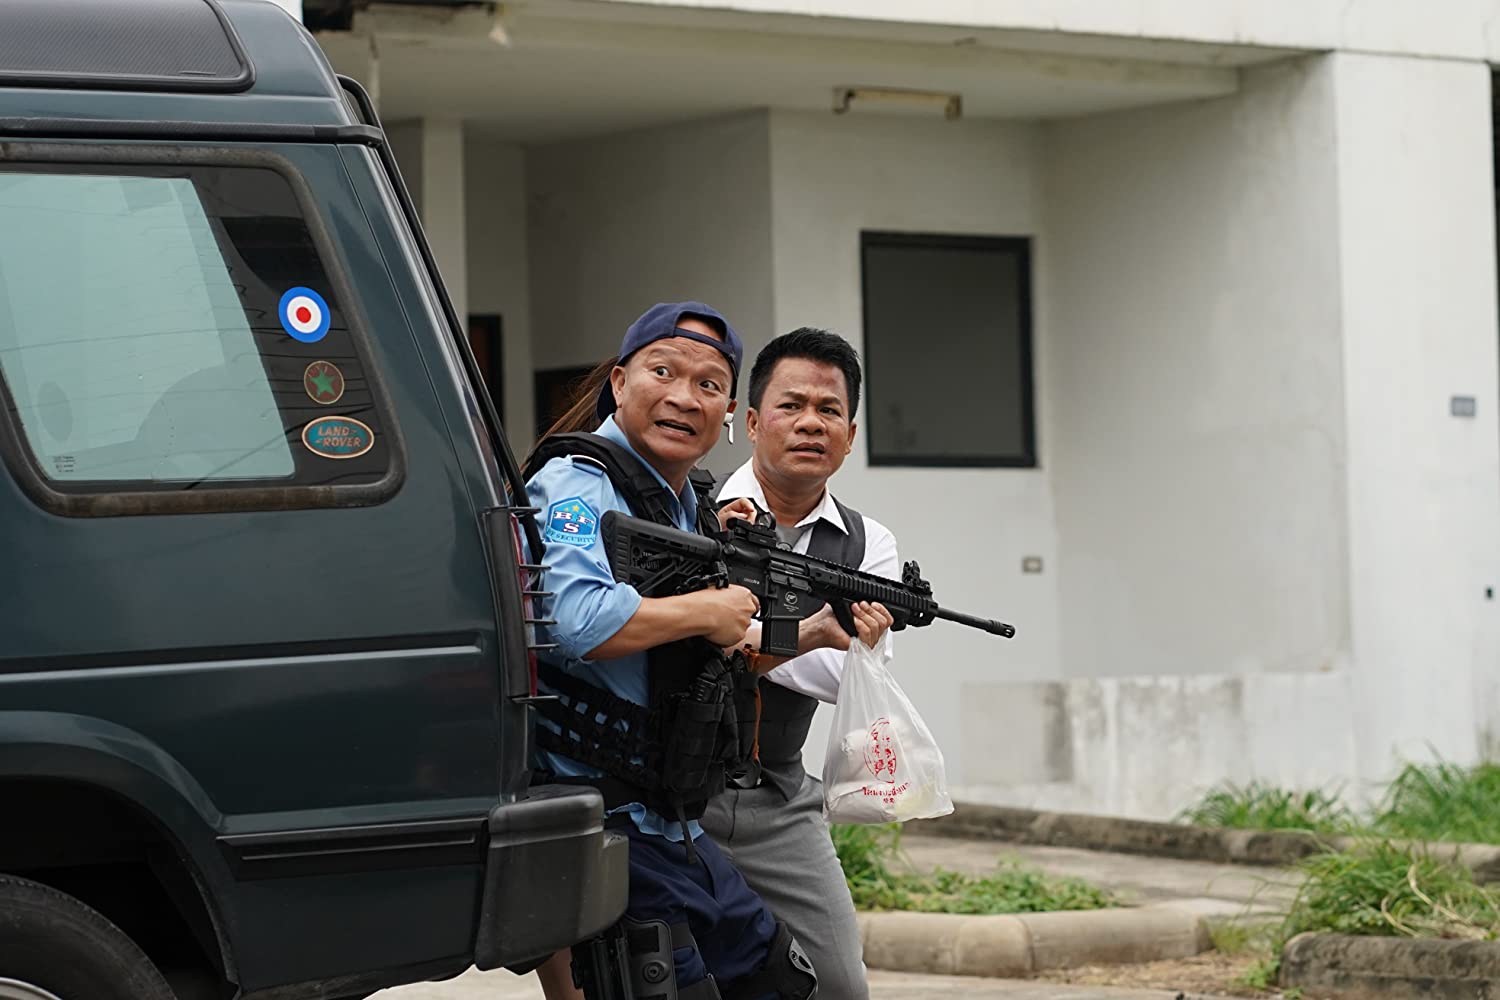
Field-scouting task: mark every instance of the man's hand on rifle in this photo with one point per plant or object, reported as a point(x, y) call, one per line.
point(823, 631)
point(725, 612)
point(740, 510)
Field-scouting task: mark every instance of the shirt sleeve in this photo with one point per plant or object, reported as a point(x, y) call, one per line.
point(817, 674)
point(587, 604)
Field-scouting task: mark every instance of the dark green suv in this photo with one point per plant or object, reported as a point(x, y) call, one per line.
point(265, 681)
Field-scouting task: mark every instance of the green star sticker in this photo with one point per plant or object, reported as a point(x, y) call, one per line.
point(323, 380)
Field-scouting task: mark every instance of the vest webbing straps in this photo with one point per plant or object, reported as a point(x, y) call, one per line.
point(645, 494)
point(671, 754)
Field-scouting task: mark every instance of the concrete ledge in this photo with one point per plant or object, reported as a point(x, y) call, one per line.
point(1170, 840)
point(1338, 965)
point(1019, 945)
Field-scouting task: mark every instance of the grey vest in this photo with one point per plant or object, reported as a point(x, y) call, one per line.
point(786, 715)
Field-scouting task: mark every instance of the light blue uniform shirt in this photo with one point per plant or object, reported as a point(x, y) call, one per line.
point(587, 604)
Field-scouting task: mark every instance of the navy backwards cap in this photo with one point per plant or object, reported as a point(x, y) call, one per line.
point(660, 322)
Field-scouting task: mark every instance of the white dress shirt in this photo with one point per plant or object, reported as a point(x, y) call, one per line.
point(817, 673)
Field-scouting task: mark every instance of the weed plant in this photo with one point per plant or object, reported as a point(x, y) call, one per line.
point(871, 856)
point(1442, 801)
point(1392, 889)
point(1384, 889)
point(1260, 806)
point(1425, 802)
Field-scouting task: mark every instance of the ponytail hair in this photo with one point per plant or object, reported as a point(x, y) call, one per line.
point(581, 414)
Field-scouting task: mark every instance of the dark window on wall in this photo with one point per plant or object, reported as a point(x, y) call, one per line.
point(486, 340)
point(556, 390)
point(947, 323)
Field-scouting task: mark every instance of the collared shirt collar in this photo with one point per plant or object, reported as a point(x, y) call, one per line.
point(609, 430)
point(742, 483)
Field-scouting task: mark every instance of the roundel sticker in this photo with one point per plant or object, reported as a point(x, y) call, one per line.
point(304, 314)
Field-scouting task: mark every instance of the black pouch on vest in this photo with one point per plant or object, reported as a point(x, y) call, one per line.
point(693, 745)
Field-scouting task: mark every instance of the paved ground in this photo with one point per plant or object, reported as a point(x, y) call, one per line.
point(475, 985)
point(1226, 890)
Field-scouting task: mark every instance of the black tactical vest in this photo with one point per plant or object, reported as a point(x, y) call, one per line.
point(672, 754)
point(785, 715)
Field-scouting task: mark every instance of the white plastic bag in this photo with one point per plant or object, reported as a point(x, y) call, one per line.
point(882, 765)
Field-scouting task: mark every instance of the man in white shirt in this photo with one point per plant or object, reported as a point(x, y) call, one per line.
point(804, 393)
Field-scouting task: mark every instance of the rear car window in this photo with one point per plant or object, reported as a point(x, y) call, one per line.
point(170, 329)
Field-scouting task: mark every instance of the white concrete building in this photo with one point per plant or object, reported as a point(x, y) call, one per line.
point(1252, 298)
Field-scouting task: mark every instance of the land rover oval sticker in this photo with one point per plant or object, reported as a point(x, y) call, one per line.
point(338, 437)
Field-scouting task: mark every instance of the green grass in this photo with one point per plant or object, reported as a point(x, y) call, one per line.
point(1260, 806)
point(1378, 887)
point(1384, 889)
point(1442, 801)
point(1238, 937)
point(1425, 802)
point(1391, 889)
point(871, 856)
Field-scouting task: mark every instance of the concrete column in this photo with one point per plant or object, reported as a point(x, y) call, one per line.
point(406, 143)
point(1418, 297)
point(499, 269)
point(441, 181)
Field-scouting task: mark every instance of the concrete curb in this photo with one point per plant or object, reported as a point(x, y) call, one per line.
point(1338, 965)
point(1172, 840)
point(1009, 946)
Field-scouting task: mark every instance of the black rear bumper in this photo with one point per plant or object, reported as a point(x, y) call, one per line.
point(553, 875)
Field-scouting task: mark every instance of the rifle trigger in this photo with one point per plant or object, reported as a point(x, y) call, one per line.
point(845, 616)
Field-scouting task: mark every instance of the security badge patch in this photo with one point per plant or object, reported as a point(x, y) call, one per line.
point(572, 522)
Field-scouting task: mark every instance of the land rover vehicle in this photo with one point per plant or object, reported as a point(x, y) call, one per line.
point(264, 665)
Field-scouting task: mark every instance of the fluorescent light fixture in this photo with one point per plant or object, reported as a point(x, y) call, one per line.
point(952, 105)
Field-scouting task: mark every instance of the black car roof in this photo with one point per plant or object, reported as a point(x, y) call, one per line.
point(171, 61)
point(142, 44)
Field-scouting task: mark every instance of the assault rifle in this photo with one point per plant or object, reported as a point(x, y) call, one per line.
point(659, 562)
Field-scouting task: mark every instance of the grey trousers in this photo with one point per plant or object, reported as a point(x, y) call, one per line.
point(783, 850)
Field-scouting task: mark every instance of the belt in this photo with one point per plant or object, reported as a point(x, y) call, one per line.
point(758, 772)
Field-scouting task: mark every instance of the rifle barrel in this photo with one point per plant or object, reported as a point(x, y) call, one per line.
point(985, 624)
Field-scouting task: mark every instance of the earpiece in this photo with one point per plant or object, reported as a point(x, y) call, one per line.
point(729, 425)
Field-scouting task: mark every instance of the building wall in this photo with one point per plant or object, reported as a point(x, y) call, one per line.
point(1259, 485)
point(1149, 746)
point(499, 267)
point(669, 214)
point(1197, 384)
point(1417, 278)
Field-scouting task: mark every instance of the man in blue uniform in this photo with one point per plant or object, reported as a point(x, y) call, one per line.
point(619, 654)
